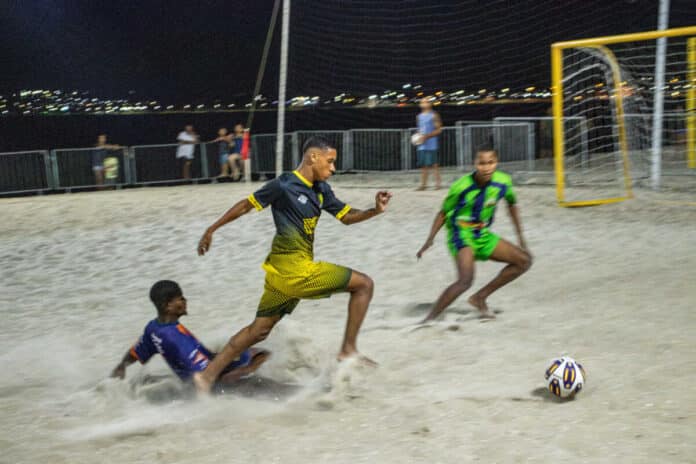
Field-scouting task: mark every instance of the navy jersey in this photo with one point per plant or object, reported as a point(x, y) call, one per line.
point(296, 205)
point(237, 144)
point(182, 351)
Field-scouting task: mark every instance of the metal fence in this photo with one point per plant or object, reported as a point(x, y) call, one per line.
point(360, 150)
point(75, 168)
point(25, 172)
point(153, 164)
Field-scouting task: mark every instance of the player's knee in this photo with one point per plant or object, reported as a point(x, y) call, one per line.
point(364, 283)
point(369, 284)
point(525, 262)
point(462, 284)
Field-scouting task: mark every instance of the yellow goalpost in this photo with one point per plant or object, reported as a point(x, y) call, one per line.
point(603, 105)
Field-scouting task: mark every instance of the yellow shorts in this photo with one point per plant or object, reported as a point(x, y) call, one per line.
point(315, 280)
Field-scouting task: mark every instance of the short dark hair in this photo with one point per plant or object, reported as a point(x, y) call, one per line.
point(487, 147)
point(163, 292)
point(317, 141)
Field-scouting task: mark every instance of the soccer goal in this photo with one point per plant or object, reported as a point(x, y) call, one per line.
point(610, 83)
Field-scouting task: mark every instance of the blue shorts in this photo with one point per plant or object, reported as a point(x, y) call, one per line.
point(223, 158)
point(244, 360)
point(426, 158)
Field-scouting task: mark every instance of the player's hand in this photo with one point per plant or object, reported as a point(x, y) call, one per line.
point(424, 248)
point(204, 243)
point(119, 372)
point(381, 200)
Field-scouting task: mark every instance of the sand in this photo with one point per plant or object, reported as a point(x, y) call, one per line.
point(612, 286)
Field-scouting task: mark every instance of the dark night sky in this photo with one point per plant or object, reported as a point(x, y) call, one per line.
point(157, 47)
point(182, 49)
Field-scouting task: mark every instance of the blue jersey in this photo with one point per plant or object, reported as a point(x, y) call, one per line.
point(426, 125)
point(182, 351)
point(237, 144)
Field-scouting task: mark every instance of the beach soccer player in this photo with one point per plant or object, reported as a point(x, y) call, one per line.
point(178, 346)
point(296, 200)
point(468, 212)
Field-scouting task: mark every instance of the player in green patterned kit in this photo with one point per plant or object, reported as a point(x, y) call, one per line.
point(468, 212)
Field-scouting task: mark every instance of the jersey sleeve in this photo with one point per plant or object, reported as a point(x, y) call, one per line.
point(333, 205)
point(266, 195)
point(450, 201)
point(510, 196)
point(143, 349)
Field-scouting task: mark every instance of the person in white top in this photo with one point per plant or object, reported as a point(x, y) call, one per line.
point(187, 145)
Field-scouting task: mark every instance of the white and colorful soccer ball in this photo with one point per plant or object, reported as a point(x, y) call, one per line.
point(417, 139)
point(565, 377)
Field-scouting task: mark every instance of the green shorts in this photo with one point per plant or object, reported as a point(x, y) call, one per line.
point(481, 241)
point(282, 292)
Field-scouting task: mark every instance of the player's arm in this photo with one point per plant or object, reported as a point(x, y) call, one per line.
point(120, 370)
point(358, 215)
point(241, 208)
point(438, 128)
point(438, 222)
point(515, 217)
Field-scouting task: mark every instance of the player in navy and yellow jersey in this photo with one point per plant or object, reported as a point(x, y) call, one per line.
point(180, 348)
point(296, 201)
point(468, 212)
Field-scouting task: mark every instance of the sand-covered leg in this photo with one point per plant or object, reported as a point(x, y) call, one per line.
point(465, 270)
point(254, 333)
point(361, 288)
point(519, 261)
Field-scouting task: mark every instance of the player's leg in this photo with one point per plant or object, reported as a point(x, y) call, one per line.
point(361, 288)
point(518, 262)
point(99, 175)
point(234, 164)
point(465, 276)
point(272, 307)
point(254, 333)
point(258, 357)
point(224, 166)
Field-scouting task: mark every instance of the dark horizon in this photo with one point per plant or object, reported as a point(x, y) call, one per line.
point(178, 52)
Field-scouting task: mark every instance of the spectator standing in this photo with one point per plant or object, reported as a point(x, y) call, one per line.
point(235, 158)
point(100, 153)
point(187, 145)
point(224, 142)
point(429, 128)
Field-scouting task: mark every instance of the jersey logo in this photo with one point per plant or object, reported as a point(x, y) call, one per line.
point(302, 199)
point(310, 224)
point(198, 357)
point(157, 342)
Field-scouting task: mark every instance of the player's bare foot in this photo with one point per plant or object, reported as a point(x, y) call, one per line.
point(344, 356)
point(258, 359)
point(480, 304)
point(203, 385)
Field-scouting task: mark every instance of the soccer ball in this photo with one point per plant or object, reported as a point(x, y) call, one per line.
point(416, 139)
point(565, 377)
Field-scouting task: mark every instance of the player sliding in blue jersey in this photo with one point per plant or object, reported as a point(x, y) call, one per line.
point(179, 348)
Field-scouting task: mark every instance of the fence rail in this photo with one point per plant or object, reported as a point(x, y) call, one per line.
point(525, 142)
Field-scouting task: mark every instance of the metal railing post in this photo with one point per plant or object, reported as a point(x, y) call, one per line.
point(348, 160)
point(48, 169)
point(205, 171)
point(405, 150)
point(295, 148)
point(54, 164)
point(531, 145)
